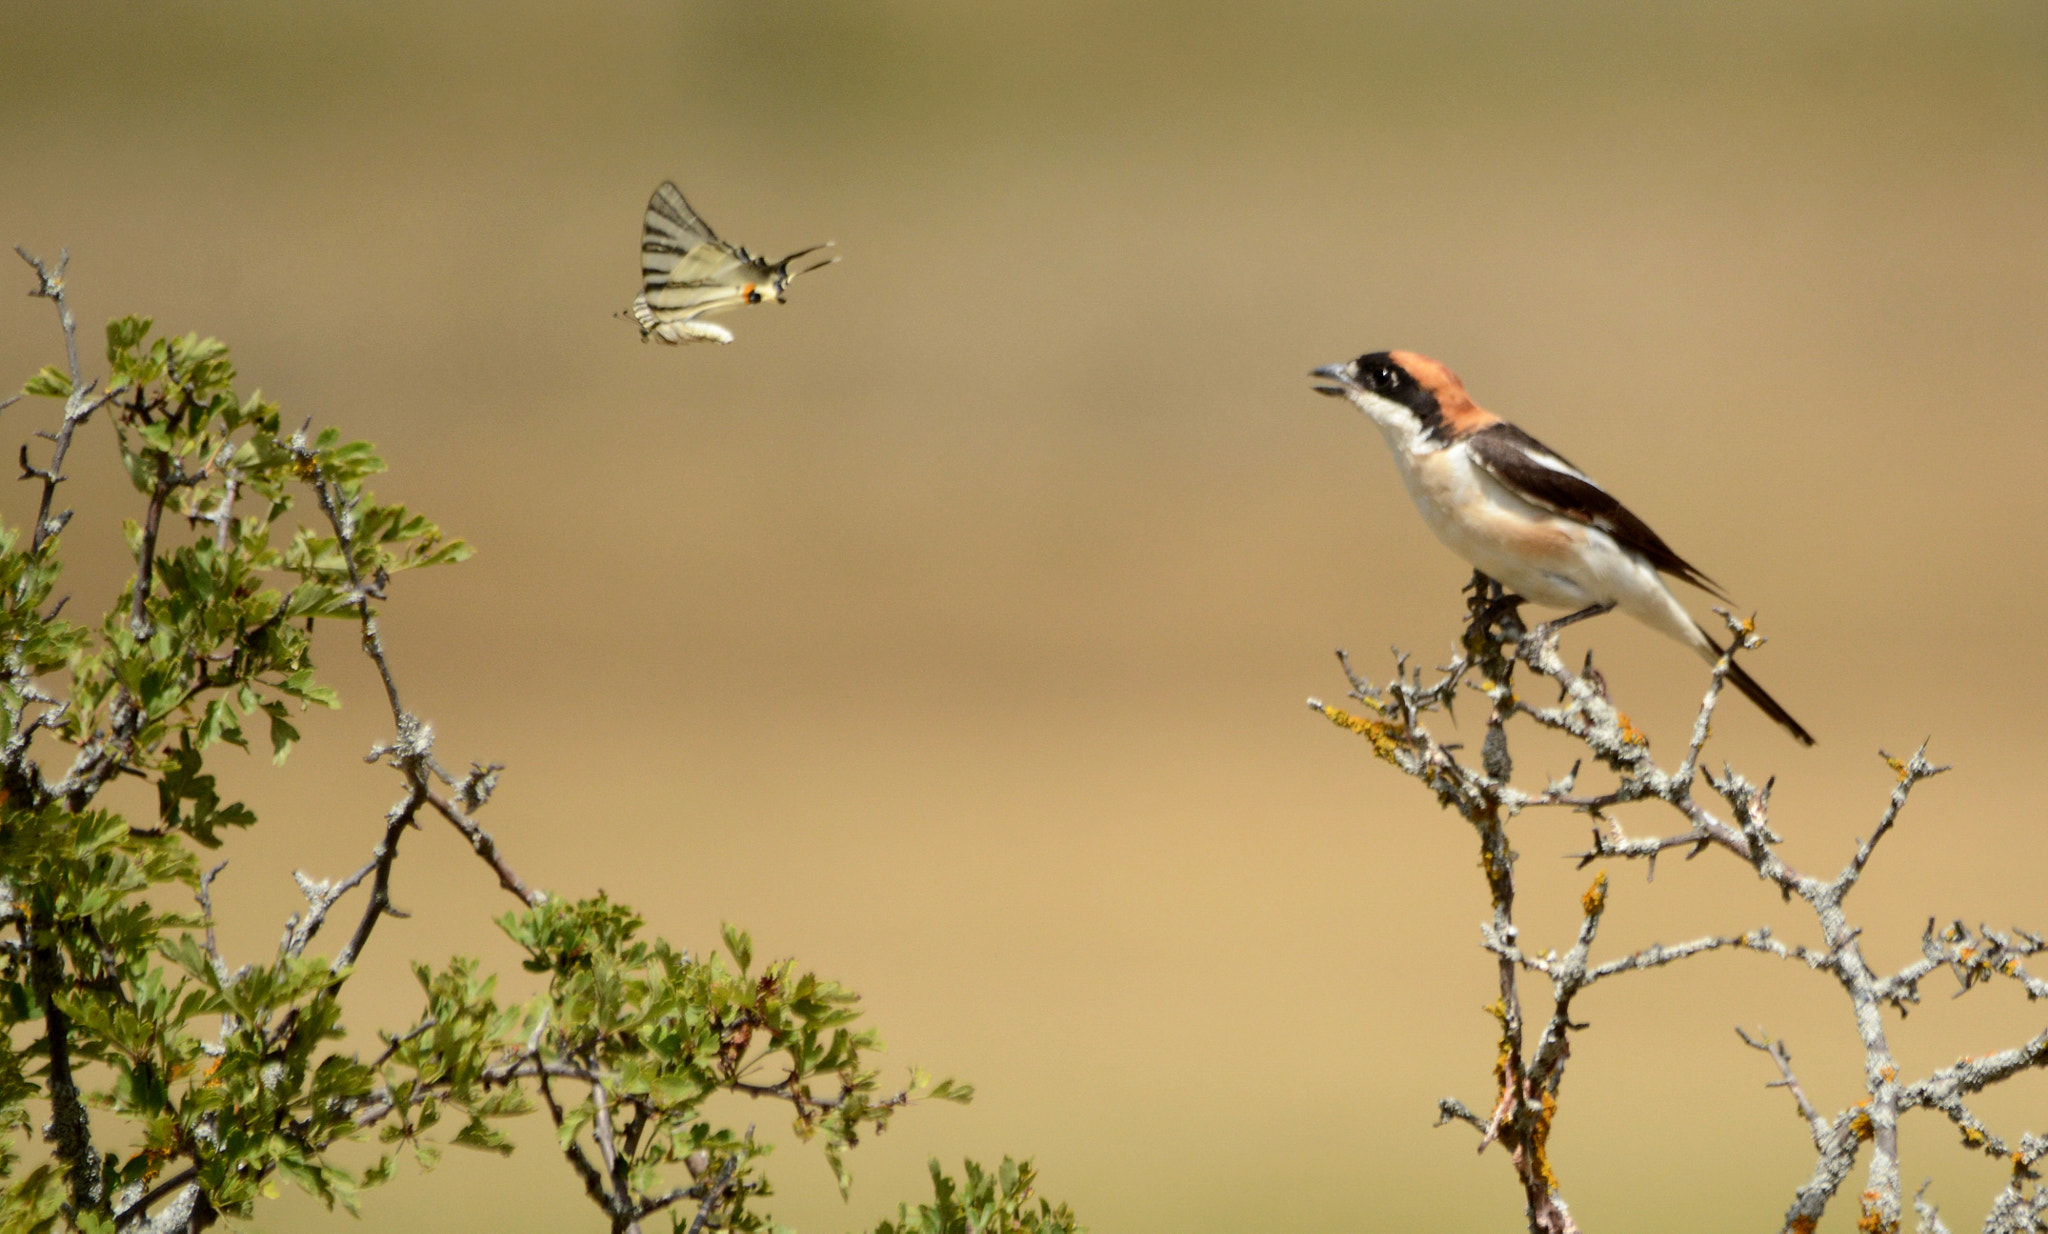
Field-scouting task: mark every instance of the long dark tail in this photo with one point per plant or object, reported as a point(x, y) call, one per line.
point(1756, 694)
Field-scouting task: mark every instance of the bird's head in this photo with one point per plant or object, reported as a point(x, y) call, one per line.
point(1404, 392)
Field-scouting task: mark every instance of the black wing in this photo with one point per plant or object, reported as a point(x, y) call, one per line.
point(1543, 476)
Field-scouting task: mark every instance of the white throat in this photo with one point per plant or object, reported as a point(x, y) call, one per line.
point(1401, 427)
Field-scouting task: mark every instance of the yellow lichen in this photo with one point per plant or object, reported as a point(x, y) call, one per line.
point(1383, 735)
point(1595, 898)
point(1540, 1139)
point(1630, 734)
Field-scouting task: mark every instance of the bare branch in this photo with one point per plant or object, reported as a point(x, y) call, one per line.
point(1911, 771)
point(714, 1194)
point(78, 406)
point(70, 1128)
point(486, 848)
point(205, 898)
point(1969, 1075)
point(1452, 1110)
point(601, 1131)
point(320, 897)
point(593, 1181)
point(1395, 723)
point(1978, 959)
point(183, 1213)
point(396, 821)
point(1744, 639)
point(1783, 1057)
point(1930, 1219)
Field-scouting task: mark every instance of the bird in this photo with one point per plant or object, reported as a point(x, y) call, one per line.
point(687, 273)
point(1521, 513)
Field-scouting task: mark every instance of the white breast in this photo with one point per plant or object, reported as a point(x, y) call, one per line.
point(1546, 558)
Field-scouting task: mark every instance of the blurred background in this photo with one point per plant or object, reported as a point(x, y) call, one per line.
point(950, 629)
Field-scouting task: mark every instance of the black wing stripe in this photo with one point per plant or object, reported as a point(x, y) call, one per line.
point(1506, 452)
point(668, 204)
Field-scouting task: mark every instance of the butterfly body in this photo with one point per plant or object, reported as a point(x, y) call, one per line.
point(688, 273)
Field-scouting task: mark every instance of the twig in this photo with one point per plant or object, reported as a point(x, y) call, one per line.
point(1911, 771)
point(417, 1031)
point(1783, 1057)
point(205, 898)
point(396, 821)
point(487, 848)
point(1930, 1219)
point(593, 1181)
point(601, 1131)
point(713, 1195)
point(320, 897)
point(78, 406)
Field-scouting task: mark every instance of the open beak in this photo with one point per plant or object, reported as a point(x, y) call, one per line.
point(1339, 373)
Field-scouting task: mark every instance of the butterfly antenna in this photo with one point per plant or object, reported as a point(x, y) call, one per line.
point(815, 266)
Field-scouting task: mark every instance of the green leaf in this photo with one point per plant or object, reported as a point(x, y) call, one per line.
point(479, 1134)
point(739, 946)
point(380, 1173)
point(123, 333)
point(51, 382)
point(282, 733)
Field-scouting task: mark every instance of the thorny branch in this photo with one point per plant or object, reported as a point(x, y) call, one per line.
point(411, 752)
point(78, 407)
point(18, 771)
point(714, 1194)
point(412, 749)
point(1528, 1080)
point(174, 1185)
point(572, 1150)
point(110, 752)
point(1783, 1058)
point(70, 1128)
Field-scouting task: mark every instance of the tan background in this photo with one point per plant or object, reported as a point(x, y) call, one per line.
point(950, 630)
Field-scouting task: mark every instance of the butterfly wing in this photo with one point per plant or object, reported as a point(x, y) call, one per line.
point(672, 230)
point(687, 272)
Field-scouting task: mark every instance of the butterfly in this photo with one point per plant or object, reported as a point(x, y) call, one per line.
point(687, 273)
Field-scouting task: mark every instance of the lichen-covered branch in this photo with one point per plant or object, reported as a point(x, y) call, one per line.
point(1394, 719)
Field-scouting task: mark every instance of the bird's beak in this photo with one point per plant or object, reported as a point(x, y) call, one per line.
point(1339, 373)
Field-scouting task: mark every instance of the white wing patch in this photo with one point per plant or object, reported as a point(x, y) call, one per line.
point(1545, 459)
